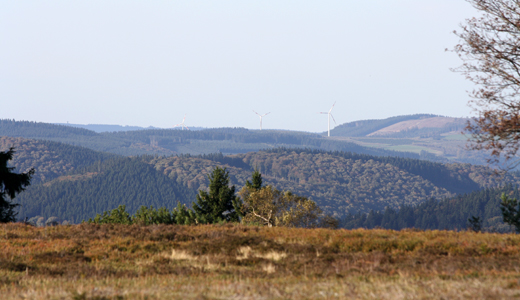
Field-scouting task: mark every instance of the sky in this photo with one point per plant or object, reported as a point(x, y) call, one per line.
point(149, 63)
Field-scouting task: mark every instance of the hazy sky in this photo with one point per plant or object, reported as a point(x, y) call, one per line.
point(147, 63)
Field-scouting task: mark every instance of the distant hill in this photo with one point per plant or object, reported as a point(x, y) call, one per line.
point(49, 159)
point(420, 125)
point(172, 142)
point(116, 128)
point(422, 140)
point(106, 128)
point(437, 136)
point(59, 133)
point(366, 127)
point(423, 125)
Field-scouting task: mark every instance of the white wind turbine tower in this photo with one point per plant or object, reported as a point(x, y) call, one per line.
point(182, 124)
point(261, 117)
point(329, 115)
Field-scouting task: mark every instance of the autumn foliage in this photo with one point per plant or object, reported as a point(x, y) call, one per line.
point(490, 50)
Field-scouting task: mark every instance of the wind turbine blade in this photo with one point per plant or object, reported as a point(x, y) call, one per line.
point(324, 113)
point(267, 113)
point(333, 119)
point(332, 107)
point(256, 113)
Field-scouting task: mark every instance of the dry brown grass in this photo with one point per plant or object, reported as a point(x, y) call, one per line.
point(91, 261)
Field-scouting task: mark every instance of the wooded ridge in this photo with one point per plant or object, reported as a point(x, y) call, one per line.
point(74, 183)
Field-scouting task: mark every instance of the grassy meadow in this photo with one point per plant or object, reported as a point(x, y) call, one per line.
point(89, 261)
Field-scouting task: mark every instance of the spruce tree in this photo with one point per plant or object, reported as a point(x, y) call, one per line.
point(510, 211)
point(256, 181)
point(216, 205)
point(10, 185)
point(251, 186)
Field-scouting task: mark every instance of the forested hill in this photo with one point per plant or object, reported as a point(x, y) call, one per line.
point(339, 182)
point(41, 130)
point(84, 182)
point(171, 142)
point(100, 187)
point(448, 214)
point(49, 159)
point(59, 133)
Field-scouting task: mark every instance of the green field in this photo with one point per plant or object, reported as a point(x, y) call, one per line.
point(456, 137)
point(412, 148)
point(396, 146)
point(385, 141)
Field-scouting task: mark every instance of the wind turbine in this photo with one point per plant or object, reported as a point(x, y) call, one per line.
point(330, 115)
point(182, 124)
point(261, 117)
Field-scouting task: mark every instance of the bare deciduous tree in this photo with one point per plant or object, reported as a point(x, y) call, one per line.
point(490, 50)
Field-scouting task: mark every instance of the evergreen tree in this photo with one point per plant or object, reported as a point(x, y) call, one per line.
point(216, 205)
point(256, 181)
point(183, 215)
point(475, 223)
point(373, 219)
point(118, 215)
point(405, 217)
point(251, 186)
point(510, 211)
point(149, 216)
point(10, 185)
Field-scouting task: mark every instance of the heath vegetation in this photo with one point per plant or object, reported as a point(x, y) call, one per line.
point(114, 261)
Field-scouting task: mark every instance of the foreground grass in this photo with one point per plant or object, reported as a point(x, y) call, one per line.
point(90, 261)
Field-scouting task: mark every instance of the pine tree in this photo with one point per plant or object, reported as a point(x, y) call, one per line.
point(10, 185)
point(183, 215)
point(216, 205)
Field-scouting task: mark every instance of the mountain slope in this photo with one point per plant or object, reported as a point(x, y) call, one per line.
point(49, 159)
point(448, 214)
point(366, 127)
point(423, 125)
point(101, 187)
point(339, 182)
point(59, 133)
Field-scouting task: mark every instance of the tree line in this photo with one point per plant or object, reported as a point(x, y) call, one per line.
point(447, 214)
point(256, 204)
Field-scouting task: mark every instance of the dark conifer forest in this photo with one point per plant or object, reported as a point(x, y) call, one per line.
point(446, 214)
point(101, 187)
